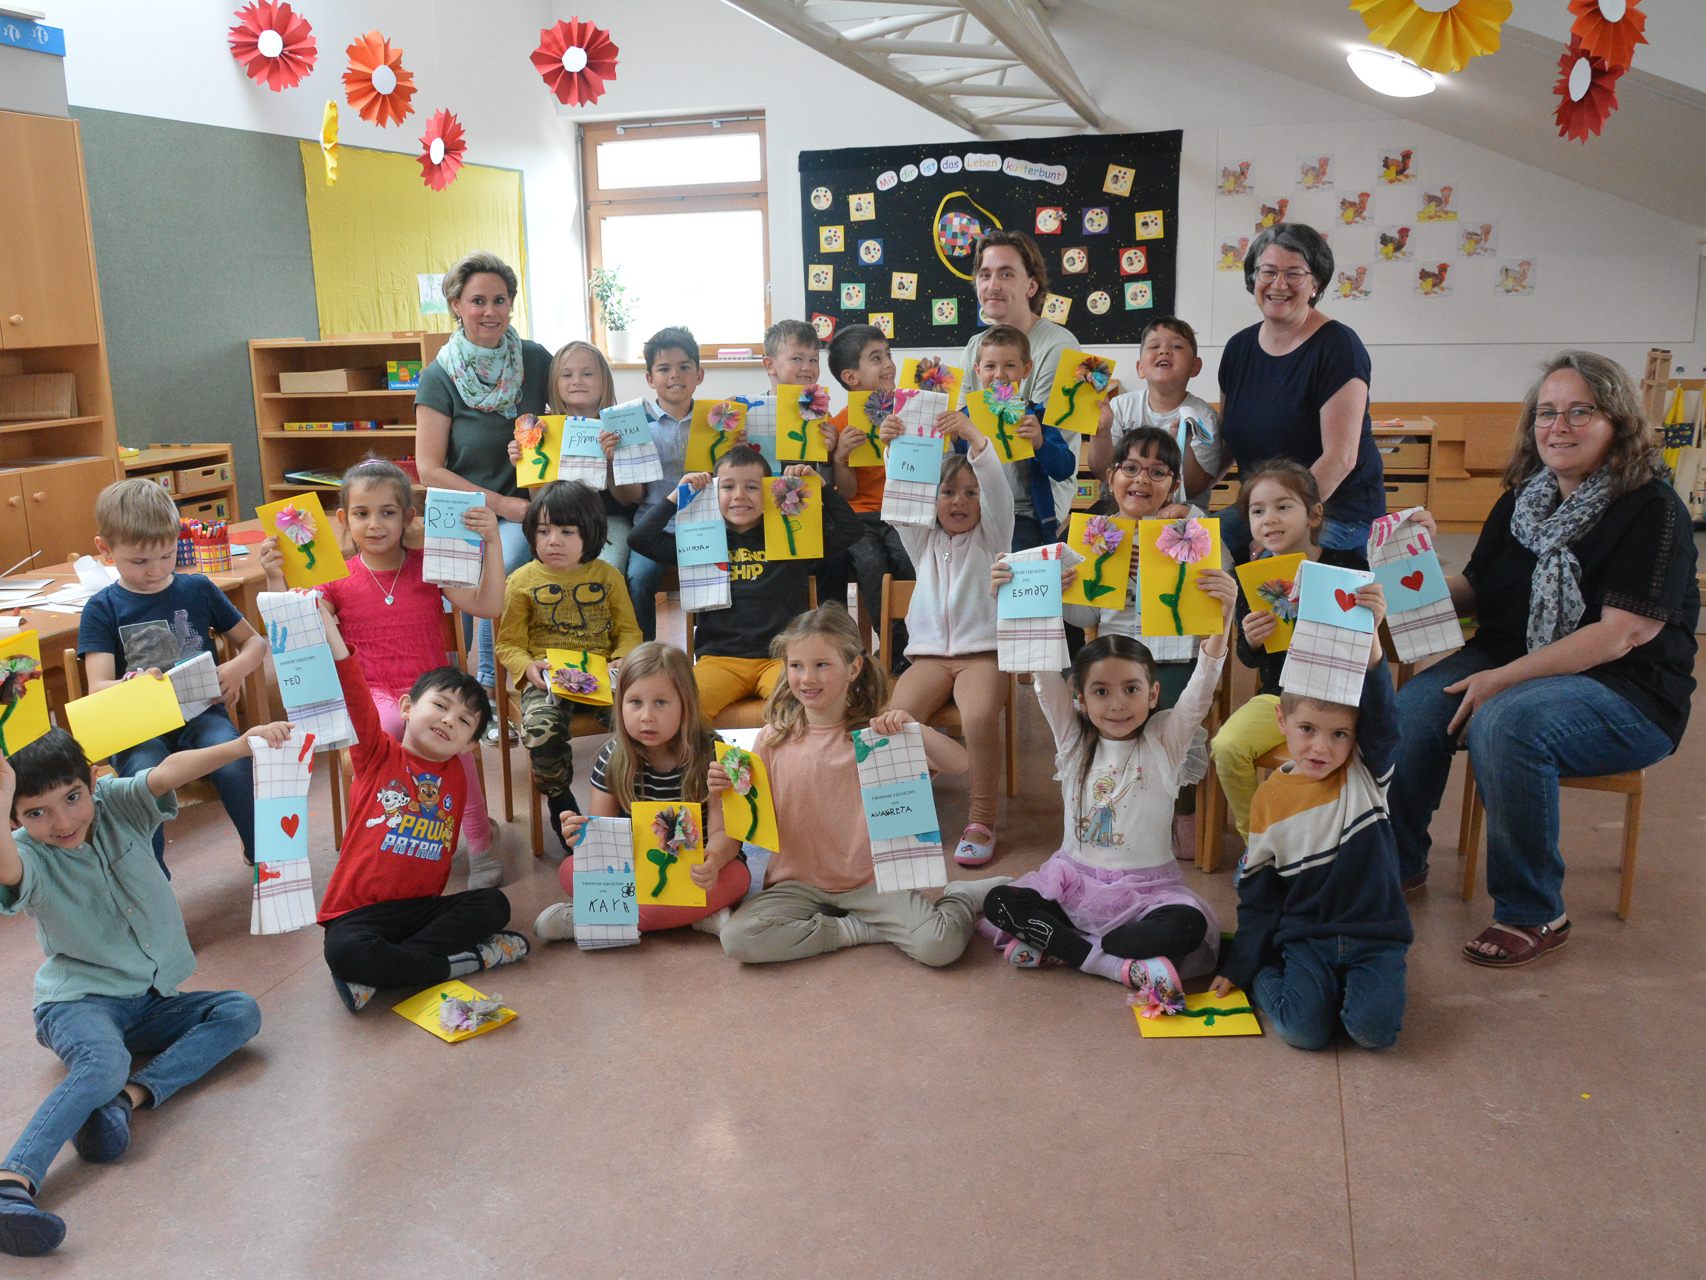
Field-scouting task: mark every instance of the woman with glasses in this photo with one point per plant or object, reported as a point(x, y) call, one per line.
point(1295, 386)
point(1583, 590)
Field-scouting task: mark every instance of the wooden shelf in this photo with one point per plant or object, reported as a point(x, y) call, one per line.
point(330, 395)
point(336, 435)
point(49, 424)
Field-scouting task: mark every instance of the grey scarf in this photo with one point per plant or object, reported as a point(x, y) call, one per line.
point(1549, 528)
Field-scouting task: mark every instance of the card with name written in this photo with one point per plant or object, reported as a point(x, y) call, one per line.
point(606, 908)
point(1034, 591)
point(628, 420)
point(915, 458)
point(307, 675)
point(900, 809)
point(443, 515)
point(701, 542)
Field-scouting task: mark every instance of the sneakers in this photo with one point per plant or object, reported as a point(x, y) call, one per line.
point(355, 995)
point(503, 947)
point(975, 891)
point(713, 923)
point(556, 923)
point(25, 1230)
point(105, 1135)
point(973, 852)
point(1022, 955)
point(1155, 986)
point(485, 870)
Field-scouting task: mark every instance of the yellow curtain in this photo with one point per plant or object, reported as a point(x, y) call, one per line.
point(380, 228)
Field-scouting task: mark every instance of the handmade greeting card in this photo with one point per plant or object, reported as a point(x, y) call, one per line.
point(283, 900)
point(801, 412)
point(453, 1011)
point(1420, 617)
point(580, 676)
point(451, 553)
point(868, 410)
point(669, 840)
point(581, 456)
point(540, 437)
point(793, 517)
point(23, 693)
point(937, 386)
point(606, 905)
point(1075, 400)
point(1270, 586)
point(1204, 1015)
point(1106, 543)
point(749, 813)
point(1171, 556)
point(900, 809)
point(1029, 633)
point(123, 715)
point(997, 411)
point(699, 532)
point(1328, 594)
point(636, 460)
point(308, 682)
point(717, 425)
point(1330, 644)
point(305, 539)
point(913, 462)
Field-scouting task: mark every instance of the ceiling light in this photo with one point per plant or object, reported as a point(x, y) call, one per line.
point(1387, 73)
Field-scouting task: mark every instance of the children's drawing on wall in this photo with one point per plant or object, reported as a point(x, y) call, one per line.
point(1436, 206)
point(1476, 242)
point(1354, 209)
point(1096, 221)
point(1050, 219)
point(1134, 262)
point(1398, 165)
point(1393, 244)
point(1099, 302)
point(1430, 281)
point(821, 196)
point(1315, 173)
point(1235, 179)
point(1230, 256)
point(1516, 276)
point(1352, 285)
point(1074, 261)
point(1271, 215)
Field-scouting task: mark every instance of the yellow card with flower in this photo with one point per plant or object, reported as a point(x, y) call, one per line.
point(867, 411)
point(793, 517)
point(669, 840)
point(1106, 543)
point(997, 412)
point(749, 815)
point(801, 415)
point(718, 425)
point(23, 693)
point(922, 373)
point(579, 676)
point(1270, 586)
point(305, 539)
point(1171, 556)
point(541, 439)
point(1081, 382)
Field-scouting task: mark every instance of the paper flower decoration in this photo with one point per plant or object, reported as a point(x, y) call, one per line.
point(574, 680)
point(329, 141)
point(1609, 29)
point(1587, 92)
point(674, 830)
point(1093, 372)
point(1441, 35)
point(575, 59)
point(791, 494)
point(442, 148)
point(456, 1014)
point(1280, 595)
point(530, 435)
point(737, 763)
point(1187, 542)
point(932, 375)
point(814, 403)
point(375, 82)
point(1102, 538)
point(879, 408)
point(297, 526)
point(1007, 407)
point(725, 419)
point(274, 45)
point(16, 672)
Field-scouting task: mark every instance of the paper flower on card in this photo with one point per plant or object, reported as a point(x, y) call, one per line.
point(1093, 372)
point(443, 145)
point(16, 672)
point(1187, 542)
point(791, 494)
point(1280, 595)
point(932, 375)
point(1102, 538)
point(725, 420)
point(674, 830)
point(574, 680)
point(530, 435)
point(814, 407)
point(298, 527)
point(575, 59)
point(273, 44)
point(1609, 29)
point(1007, 407)
point(329, 141)
point(737, 763)
point(1587, 93)
point(880, 406)
point(1441, 35)
point(457, 1014)
point(375, 82)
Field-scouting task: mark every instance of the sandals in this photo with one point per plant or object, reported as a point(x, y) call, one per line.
point(975, 853)
point(1516, 944)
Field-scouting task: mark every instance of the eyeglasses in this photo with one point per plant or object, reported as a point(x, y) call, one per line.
point(1132, 470)
point(1295, 276)
point(1577, 415)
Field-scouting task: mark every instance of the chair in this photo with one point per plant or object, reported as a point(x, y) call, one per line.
point(748, 713)
point(582, 724)
point(1630, 786)
point(897, 597)
point(1211, 800)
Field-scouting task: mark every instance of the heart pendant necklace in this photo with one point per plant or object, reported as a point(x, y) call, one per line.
point(391, 592)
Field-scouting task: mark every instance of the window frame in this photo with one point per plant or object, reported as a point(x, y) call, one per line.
point(598, 203)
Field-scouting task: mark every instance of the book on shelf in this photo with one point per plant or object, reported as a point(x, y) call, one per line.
point(315, 475)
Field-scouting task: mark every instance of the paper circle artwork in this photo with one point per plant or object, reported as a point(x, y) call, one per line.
point(444, 145)
point(576, 60)
point(1441, 35)
point(1139, 294)
point(871, 252)
point(945, 311)
point(1074, 261)
point(1586, 90)
point(820, 198)
point(823, 325)
point(1056, 308)
point(1050, 219)
point(274, 44)
point(1609, 29)
point(1099, 302)
point(1095, 221)
point(375, 81)
point(1133, 262)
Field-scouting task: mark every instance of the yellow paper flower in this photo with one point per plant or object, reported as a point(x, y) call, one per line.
point(1441, 35)
point(329, 141)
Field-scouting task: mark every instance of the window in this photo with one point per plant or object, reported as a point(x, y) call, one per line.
point(682, 209)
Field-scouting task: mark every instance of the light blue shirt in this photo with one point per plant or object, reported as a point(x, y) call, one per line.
point(669, 433)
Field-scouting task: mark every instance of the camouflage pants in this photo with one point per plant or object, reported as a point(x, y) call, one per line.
point(545, 721)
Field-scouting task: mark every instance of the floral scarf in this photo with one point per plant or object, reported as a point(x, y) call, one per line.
point(487, 378)
point(1549, 528)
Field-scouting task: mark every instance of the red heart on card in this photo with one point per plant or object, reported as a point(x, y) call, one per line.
point(290, 822)
point(1347, 600)
point(1412, 580)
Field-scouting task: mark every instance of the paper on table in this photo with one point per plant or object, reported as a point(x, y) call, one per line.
point(23, 692)
point(605, 849)
point(305, 540)
point(793, 517)
point(749, 813)
point(123, 715)
point(900, 810)
point(1270, 586)
point(93, 574)
point(1205, 1015)
point(669, 839)
point(423, 1011)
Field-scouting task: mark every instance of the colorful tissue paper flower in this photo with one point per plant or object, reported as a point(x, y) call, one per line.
point(297, 526)
point(16, 672)
point(442, 147)
point(575, 59)
point(1280, 595)
point(375, 81)
point(932, 375)
point(1007, 407)
point(1102, 538)
point(456, 1014)
point(814, 403)
point(674, 831)
point(1093, 372)
point(879, 408)
point(1187, 542)
point(1611, 40)
point(530, 435)
point(273, 44)
point(737, 763)
point(791, 494)
point(1441, 35)
point(723, 417)
point(1587, 92)
point(574, 680)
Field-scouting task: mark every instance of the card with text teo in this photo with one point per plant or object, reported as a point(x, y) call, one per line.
point(541, 439)
point(1171, 557)
point(997, 412)
point(793, 517)
point(669, 840)
point(580, 676)
point(801, 413)
point(1081, 382)
point(23, 692)
point(1106, 543)
point(306, 540)
point(921, 373)
point(718, 425)
point(749, 812)
point(1270, 586)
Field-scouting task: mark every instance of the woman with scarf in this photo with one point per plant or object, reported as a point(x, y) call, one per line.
point(1583, 589)
point(485, 377)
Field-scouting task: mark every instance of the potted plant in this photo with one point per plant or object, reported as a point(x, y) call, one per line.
point(616, 309)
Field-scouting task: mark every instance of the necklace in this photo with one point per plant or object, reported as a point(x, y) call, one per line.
point(391, 593)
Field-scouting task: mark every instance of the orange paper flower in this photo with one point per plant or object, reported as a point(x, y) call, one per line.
point(442, 148)
point(575, 59)
point(1587, 92)
point(273, 44)
point(1609, 29)
point(375, 81)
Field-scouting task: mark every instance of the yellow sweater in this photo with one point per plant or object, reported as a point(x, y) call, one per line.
point(585, 608)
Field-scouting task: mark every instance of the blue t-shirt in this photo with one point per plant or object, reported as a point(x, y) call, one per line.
point(160, 630)
point(1271, 408)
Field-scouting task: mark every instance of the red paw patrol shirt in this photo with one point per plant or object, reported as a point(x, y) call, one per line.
point(403, 814)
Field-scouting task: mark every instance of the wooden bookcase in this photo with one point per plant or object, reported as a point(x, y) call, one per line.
point(200, 477)
point(333, 452)
point(58, 443)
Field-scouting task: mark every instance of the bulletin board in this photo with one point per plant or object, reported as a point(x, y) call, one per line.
point(380, 230)
point(888, 232)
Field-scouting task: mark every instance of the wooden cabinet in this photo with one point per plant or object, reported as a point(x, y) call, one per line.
point(200, 477)
point(47, 262)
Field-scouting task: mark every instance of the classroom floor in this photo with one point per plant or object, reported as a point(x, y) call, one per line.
point(661, 1111)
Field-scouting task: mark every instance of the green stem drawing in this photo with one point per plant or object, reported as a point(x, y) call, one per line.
point(664, 860)
point(718, 439)
point(1001, 437)
point(1171, 600)
point(7, 715)
point(788, 528)
point(308, 551)
point(800, 436)
point(751, 804)
point(1096, 588)
point(1071, 394)
point(1209, 1013)
point(543, 461)
point(586, 659)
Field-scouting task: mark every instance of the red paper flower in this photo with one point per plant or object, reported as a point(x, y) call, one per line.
point(575, 59)
point(273, 44)
point(1587, 92)
point(375, 83)
point(1609, 29)
point(441, 156)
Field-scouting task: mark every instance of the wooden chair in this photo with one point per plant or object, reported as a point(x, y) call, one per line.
point(897, 597)
point(1630, 786)
point(747, 713)
point(1212, 812)
point(582, 724)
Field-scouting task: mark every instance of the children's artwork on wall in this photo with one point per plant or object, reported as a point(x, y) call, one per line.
point(376, 83)
point(1352, 284)
point(1270, 586)
point(936, 201)
point(576, 60)
point(452, 554)
point(1516, 276)
point(669, 840)
point(793, 517)
point(1330, 643)
point(1106, 543)
point(1477, 241)
point(540, 437)
point(1234, 179)
point(997, 411)
point(823, 326)
point(716, 427)
point(607, 906)
point(454, 1011)
point(1392, 244)
point(862, 206)
point(1437, 206)
point(831, 239)
point(1230, 255)
point(122, 715)
point(1354, 210)
point(1029, 632)
point(308, 683)
point(903, 286)
point(305, 539)
point(23, 692)
point(1134, 262)
point(1271, 215)
point(852, 296)
point(1057, 307)
point(273, 44)
point(1420, 617)
point(883, 322)
point(442, 147)
point(1204, 1014)
point(749, 811)
point(1099, 303)
point(1171, 557)
point(580, 453)
point(283, 900)
point(900, 809)
point(579, 675)
point(1397, 164)
point(801, 412)
point(866, 412)
point(820, 277)
point(1431, 282)
point(1139, 295)
point(195, 683)
point(871, 252)
point(700, 533)
point(1314, 172)
point(1081, 383)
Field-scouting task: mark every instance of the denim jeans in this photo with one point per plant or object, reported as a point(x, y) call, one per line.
point(644, 574)
point(517, 552)
point(1521, 742)
point(1322, 983)
point(234, 782)
point(1336, 535)
point(190, 1033)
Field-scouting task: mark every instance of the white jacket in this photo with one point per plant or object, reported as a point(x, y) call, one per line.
point(953, 610)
